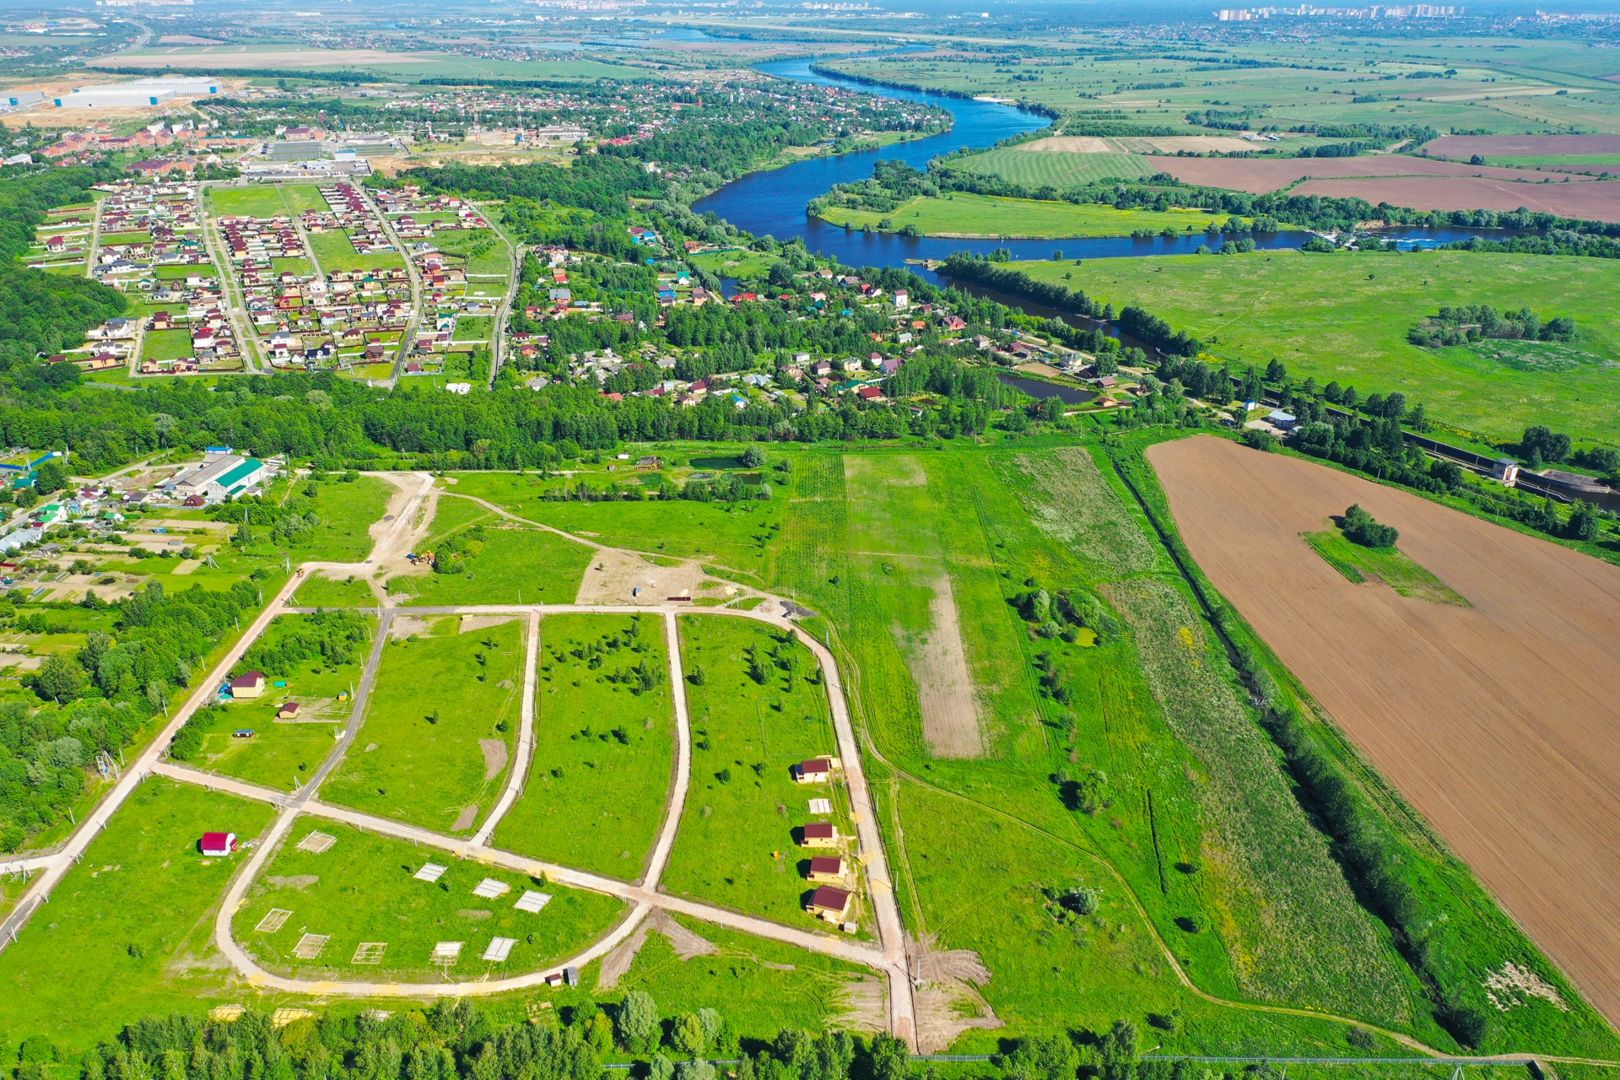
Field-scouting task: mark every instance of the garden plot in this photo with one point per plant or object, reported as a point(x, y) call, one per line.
point(365, 909)
point(443, 690)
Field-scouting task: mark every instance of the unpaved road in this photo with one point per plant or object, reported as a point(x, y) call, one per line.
point(1499, 722)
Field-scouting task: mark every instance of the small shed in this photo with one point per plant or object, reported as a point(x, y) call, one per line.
point(217, 845)
point(288, 711)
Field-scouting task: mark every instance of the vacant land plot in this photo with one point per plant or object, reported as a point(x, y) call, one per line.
point(362, 890)
point(1589, 199)
point(133, 920)
point(758, 708)
point(1345, 317)
point(1496, 721)
point(321, 590)
point(265, 200)
point(484, 559)
point(1269, 174)
point(334, 251)
point(283, 752)
point(604, 746)
point(964, 214)
point(440, 695)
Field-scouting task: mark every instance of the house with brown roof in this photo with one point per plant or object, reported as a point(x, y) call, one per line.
point(819, 834)
point(250, 685)
point(829, 902)
point(826, 868)
point(814, 771)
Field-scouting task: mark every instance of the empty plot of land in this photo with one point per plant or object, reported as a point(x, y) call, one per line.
point(1465, 146)
point(1260, 175)
point(1497, 721)
point(1593, 200)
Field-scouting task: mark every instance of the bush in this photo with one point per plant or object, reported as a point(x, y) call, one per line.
point(1360, 527)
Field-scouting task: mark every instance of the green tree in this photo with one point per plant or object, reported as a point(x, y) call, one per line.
point(59, 679)
point(637, 1022)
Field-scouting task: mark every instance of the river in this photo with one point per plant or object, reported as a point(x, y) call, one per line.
point(771, 203)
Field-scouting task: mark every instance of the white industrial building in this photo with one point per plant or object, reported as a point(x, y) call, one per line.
point(135, 93)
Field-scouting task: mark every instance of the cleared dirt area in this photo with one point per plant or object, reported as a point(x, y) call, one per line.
point(1498, 721)
point(1594, 200)
point(950, 712)
point(1465, 146)
point(622, 577)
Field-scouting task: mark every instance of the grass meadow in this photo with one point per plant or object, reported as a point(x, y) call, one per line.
point(265, 200)
point(334, 251)
point(1345, 317)
point(439, 726)
point(362, 890)
point(500, 561)
point(1389, 566)
point(965, 214)
point(323, 590)
point(129, 931)
point(604, 746)
point(755, 714)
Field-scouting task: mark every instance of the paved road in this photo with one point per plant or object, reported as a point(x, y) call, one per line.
point(407, 337)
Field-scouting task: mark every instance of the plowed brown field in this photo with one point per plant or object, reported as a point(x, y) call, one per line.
point(1499, 722)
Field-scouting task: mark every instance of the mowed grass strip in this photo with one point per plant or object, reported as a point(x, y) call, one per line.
point(968, 215)
point(129, 931)
point(361, 889)
point(1060, 169)
point(284, 753)
point(604, 746)
point(439, 726)
point(1345, 317)
point(755, 713)
point(1389, 565)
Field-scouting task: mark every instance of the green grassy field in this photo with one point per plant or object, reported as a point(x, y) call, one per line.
point(166, 344)
point(743, 265)
point(382, 63)
point(484, 251)
point(439, 727)
point(362, 890)
point(1345, 318)
point(129, 932)
point(322, 590)
point(1060, 169)
point(265, 200)
point(736, 843)
point(499, 561)
point(284, 754)
point(604, 746)
point(964, 214)
point(1389, 566)
point(757, 985)
point(334, 251)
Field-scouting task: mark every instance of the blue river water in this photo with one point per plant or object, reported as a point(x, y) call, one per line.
point(772, 203)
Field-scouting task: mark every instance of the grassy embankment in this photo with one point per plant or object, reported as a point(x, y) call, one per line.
point(962, 214)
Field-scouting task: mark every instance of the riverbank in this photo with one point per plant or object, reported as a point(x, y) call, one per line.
point(966, 216)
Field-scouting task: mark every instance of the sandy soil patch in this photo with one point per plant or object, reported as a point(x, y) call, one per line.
point(404, 626)
point(405, 523)
point(947, 998)
point(466, 819)
point(495, 756)
point(863, 1005)
point(685, 943)
point(20, 661)
point(471, 624)
point(292, 881)
point(185, 566)
point(950, 709)
point(613, 576)
point(1068, 144)
point(1498, 722)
